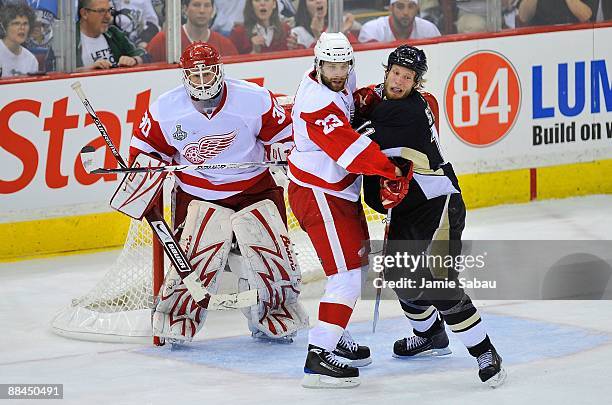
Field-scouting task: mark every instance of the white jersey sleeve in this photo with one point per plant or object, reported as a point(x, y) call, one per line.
point(149, 138)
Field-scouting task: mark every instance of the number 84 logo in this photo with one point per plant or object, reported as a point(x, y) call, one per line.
point(482, 98)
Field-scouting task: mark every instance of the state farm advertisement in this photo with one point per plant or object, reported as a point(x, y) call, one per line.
point(505, 103)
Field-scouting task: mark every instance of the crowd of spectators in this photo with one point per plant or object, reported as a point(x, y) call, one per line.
point(123, 33)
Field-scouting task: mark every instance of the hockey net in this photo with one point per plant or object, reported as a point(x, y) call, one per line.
point(118, 308)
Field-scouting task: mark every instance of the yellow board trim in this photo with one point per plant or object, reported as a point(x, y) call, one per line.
point(45, 237)
point(487, 189)
point(575, 180)
point(49, 237)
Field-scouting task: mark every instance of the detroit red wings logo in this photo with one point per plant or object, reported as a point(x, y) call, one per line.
point(208, 147)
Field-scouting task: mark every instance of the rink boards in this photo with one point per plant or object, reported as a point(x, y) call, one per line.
point(522, 117)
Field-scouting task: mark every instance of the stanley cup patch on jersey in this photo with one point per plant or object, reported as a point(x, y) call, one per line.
point(208, 147)
point(179, 134)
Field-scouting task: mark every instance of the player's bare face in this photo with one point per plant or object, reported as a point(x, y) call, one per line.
point(334, 74)
point(403, 12)
point(264, 9)
point(399, 82)
point(199, 13)
point(316, 8)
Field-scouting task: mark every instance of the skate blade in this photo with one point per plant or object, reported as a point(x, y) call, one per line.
point(360, 362)
point(319, 381)
point(427, 353)
point(263, 338)
point(498, 379)
point(276, 341)
point(354, 363)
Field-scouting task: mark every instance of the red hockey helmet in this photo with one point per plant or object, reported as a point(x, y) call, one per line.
point(202, 70)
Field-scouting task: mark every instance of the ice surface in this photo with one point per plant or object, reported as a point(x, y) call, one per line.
point(555, 351)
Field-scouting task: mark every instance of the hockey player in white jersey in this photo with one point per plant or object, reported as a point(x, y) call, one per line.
point(214, 119)
point(325, 170)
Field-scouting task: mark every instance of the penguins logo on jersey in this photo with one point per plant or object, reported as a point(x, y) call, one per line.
point(179, 134)
point(208, 147)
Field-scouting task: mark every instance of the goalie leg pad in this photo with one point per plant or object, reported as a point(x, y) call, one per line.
point(269, 265)
point(206, 240)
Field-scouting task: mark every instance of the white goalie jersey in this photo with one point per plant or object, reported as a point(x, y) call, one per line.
point(248, 120)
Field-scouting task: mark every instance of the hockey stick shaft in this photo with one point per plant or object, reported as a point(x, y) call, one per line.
point(379, 289)
point(363, 126)
point(181, 168)
point(76, 86)
point(169, 243)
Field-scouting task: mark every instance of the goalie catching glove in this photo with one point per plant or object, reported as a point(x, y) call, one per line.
point(392, 192)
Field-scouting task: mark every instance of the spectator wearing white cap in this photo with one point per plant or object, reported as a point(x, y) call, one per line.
point(402, 23)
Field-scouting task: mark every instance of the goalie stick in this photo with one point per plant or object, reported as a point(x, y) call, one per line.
point(88, 160)
point(166, 238)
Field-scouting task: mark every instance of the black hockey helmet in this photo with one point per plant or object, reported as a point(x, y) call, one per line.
point(410, 57)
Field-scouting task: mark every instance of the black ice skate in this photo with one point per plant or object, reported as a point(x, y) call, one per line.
point(324, 370)
point(490, 367)
point(415, 346)
point(347, 348)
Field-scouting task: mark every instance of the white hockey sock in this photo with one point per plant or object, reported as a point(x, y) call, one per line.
point(335, 309)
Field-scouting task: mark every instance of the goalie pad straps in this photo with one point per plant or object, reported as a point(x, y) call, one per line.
point(206, 240)
point(270, 266)
point(137, 191)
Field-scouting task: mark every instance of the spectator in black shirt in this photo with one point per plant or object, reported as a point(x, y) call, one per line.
point(549, 12)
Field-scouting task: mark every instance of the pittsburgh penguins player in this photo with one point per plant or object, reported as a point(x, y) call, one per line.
point(430, 219)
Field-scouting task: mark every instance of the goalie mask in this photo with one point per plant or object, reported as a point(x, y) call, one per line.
point(202, 71)
point(335, 48)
